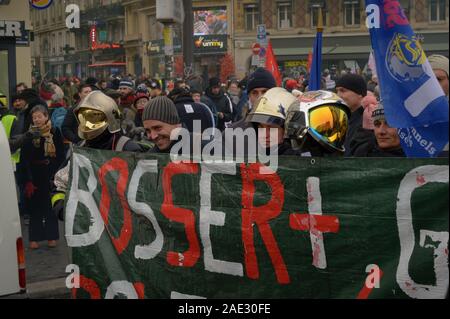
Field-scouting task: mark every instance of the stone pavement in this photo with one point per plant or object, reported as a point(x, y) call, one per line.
point(45, 267)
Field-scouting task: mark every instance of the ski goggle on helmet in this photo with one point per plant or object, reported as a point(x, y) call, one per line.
point(323, 116)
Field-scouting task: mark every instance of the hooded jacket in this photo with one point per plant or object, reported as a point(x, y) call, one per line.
point(224, 105)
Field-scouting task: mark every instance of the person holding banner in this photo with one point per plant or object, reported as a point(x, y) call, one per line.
point(99, 128)
point(318, 125)
point(160, 118)
point(268, 117)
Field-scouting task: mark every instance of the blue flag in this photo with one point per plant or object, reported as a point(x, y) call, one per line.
point(412, 98)
point(315, 78)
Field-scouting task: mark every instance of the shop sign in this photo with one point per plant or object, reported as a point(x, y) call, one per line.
point(210, 43)
point(15, 29)
point(102, 46)
point(294, 64)
point(41, 4)
point(156, 47)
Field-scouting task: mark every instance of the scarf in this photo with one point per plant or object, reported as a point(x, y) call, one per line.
point(49, 146)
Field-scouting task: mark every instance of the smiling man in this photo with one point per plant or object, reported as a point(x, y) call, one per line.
point(160, 118)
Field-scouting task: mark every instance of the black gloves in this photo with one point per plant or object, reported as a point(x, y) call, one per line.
point(58, 209)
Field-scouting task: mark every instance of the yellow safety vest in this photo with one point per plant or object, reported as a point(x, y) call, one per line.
point(7, 122)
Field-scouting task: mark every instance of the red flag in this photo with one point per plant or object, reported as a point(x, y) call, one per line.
point(310, 58)
point(272, 65)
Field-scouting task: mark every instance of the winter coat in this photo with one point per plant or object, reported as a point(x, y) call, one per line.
point(223, 105)
point(188, 111)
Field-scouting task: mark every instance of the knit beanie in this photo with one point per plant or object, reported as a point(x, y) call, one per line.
point(438, 62)
point(378, 114)
point(214, 82)
point(126, 83)
point(369, 103)
point(28, 95)
point(161, 108)
point(353, 82)
point(261, 78)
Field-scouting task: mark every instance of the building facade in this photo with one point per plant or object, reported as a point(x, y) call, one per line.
point(93, 49)
point(15, 52)
point(291, 27)
point(124, 36)
point(145, 38)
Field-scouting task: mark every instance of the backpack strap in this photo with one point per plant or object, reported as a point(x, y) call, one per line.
point(121, 143)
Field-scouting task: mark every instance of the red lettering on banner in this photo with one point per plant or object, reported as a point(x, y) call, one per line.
point(116, 164)
point(394, 12)
point(139, 287)
point(90, 286)
point(261, 216)
point(182, 215)
point(365, 291)
point(314, 223)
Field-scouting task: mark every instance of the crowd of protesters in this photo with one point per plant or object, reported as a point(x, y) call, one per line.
point(127, 114)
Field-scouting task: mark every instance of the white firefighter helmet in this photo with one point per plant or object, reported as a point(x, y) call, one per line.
point(322, 115)
point(95, 114)
point(271, 108)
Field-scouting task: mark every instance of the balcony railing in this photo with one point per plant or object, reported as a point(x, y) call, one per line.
point(101, 13)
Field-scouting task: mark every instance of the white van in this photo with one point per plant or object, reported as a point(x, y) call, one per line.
point(12, 255)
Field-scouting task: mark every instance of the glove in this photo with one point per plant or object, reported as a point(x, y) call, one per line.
point(58, 209)
point(32, 134)
point(29, 189)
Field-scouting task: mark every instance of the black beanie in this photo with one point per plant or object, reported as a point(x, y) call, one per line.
point(161, 108)
point(353, 82)
point(28, 95)
point(214, 82)
point(261, 78)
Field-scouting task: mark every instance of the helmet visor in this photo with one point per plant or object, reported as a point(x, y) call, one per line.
point(91, 119)
point(330, 122)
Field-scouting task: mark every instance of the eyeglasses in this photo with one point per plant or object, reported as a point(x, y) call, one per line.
point(330, 123)
point(91, 119)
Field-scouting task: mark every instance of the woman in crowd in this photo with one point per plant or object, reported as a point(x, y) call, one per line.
point(41, 157)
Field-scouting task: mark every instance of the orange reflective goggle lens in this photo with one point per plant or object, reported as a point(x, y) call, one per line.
point(330, 122)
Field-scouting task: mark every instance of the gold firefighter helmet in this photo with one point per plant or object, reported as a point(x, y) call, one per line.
point(321, 115)
point(271, 108)
point(95, 114)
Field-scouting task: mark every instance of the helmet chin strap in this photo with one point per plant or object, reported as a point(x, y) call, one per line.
point(114, 142)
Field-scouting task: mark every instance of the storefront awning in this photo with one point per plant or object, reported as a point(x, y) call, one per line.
point(106, 63)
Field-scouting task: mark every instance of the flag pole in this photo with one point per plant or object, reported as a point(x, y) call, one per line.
point(320, 21)
point(315, 78)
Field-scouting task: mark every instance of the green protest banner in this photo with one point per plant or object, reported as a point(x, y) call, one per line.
point(141, 226)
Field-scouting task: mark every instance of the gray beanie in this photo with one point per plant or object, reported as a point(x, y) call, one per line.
point(161, 108)
point(439, 62)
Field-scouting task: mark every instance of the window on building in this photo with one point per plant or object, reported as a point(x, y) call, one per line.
point(406, 7)
point(437, 9)
point(284, 15)
point(352, 13)
point(53, 44)
point(315, 5)
point(251, 12)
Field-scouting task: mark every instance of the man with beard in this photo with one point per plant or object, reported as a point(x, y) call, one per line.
point(223, 104)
